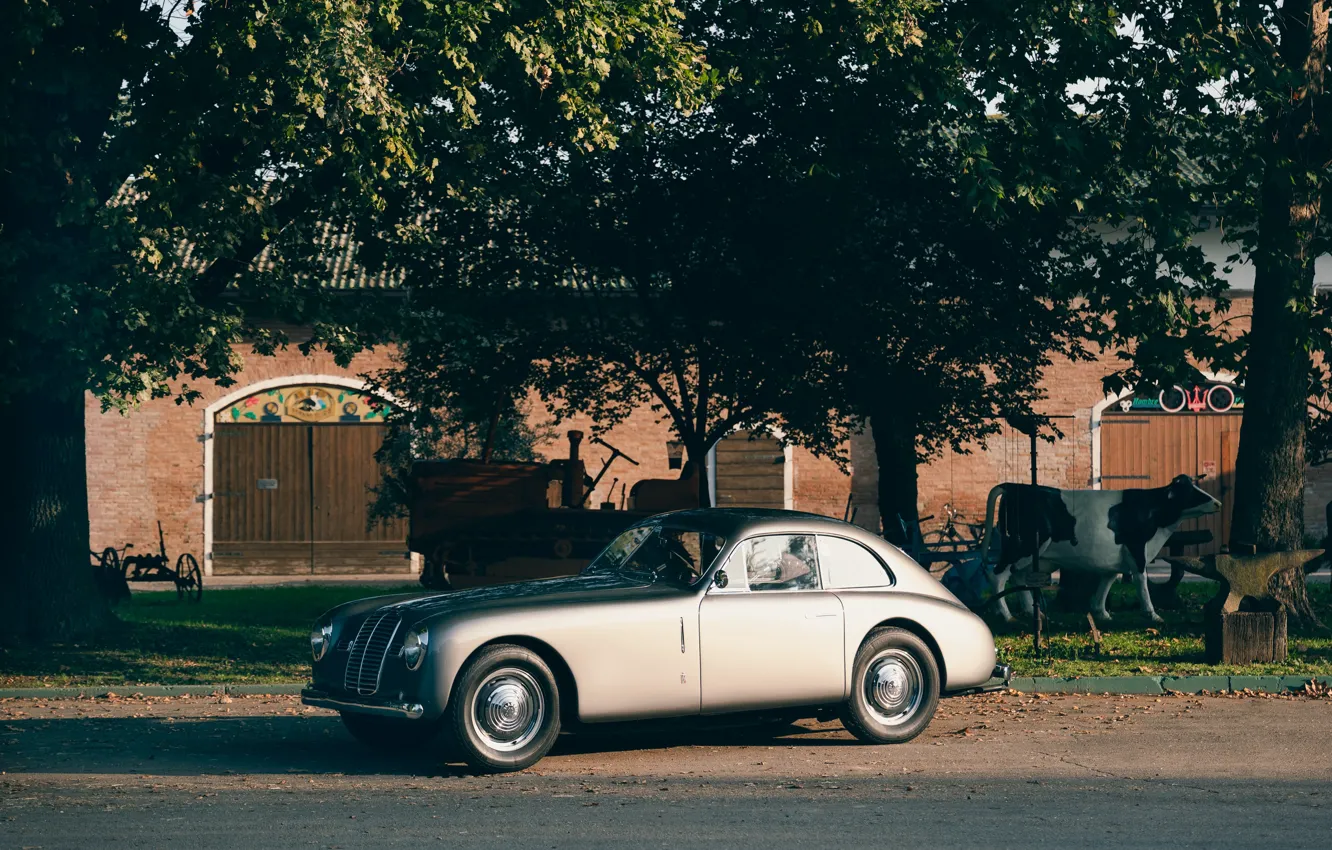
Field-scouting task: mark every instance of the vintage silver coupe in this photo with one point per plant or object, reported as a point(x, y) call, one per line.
point(687, 613)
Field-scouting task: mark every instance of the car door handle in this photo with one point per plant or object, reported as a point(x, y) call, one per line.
point(819, 616)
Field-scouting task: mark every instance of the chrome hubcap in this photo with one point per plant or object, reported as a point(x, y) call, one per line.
point(508, 709)
point(894, 687)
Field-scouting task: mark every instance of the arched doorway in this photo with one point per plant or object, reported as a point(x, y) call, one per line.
point(291, 467)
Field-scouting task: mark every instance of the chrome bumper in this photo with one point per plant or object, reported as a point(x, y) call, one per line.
point(1002, 672)
point(320, 699)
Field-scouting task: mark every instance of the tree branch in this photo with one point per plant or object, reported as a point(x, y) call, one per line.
point(681, 422)
point(725, 426)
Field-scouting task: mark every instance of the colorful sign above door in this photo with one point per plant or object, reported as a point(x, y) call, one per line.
point(305, 404)
point(1208, 398)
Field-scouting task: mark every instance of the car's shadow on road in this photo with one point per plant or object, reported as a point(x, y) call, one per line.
point(692, 732)
point(318, 745)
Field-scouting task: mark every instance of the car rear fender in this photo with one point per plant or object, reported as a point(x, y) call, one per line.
point(961, 642)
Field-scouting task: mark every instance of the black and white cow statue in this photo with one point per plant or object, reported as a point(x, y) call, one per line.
point(1106, 531)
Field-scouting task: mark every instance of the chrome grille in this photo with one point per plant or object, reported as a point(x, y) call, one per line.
point(365, 659)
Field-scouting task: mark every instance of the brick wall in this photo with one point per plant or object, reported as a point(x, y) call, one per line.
point(147, 465)
point(964, 480)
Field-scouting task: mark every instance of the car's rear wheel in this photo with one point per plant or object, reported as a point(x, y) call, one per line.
point(388, 733)
point(895, 688)
point(504, 713)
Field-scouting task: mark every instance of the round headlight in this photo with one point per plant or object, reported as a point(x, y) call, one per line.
point(414, 647)
point(320, 638)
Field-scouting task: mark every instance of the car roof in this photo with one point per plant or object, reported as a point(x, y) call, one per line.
point(736, 522)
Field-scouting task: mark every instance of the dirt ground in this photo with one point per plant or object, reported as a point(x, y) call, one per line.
point(1060, 770)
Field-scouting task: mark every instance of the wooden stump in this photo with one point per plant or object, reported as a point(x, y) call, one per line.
point(1246, 637)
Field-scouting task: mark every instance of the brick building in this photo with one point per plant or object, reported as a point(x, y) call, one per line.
point(193, 467)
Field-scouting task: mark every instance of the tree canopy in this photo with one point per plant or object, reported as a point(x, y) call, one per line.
point(847, 229)
point(1218, 108)
point(177, 173)
point(900, 210)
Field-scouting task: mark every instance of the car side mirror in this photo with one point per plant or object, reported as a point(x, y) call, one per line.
point(720, 579)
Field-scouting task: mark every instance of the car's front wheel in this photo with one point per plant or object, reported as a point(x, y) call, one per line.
point(504, 713)
point(895, 688)
point(387, 733)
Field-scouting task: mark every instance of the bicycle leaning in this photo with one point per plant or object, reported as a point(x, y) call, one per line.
point(955, 541)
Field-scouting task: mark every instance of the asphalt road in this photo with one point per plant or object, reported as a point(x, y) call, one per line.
point(995, 771)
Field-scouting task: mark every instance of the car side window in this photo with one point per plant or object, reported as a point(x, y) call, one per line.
point(781, 562)
point(846, 564)
point(734, 570)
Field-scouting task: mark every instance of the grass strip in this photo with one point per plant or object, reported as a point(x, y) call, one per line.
point(1131, 645)
point(240, 635)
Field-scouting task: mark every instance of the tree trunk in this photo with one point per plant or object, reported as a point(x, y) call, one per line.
point(49, 593)
point(698, 456)
point(1269, 471)
point(489, 448)
point(895, 453)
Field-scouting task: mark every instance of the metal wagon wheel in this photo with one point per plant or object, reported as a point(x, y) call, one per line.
point(110, 560)
point(189, 578)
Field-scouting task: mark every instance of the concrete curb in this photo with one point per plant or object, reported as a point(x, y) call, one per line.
point(275, 689)
point(1163, 684)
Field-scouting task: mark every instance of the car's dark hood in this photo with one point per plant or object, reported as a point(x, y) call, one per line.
point(600, 587)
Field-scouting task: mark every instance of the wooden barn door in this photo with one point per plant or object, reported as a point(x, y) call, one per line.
point(1142, 450)
point(751, 473)
point(293, 498)
point(343, 472)
point(262, 511)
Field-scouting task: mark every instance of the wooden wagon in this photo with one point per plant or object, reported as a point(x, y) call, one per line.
point(478, 523)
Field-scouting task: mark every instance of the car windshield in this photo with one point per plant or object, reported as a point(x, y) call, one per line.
point(676, 555)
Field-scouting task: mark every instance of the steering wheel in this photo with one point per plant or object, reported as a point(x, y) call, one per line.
point(679, 566)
